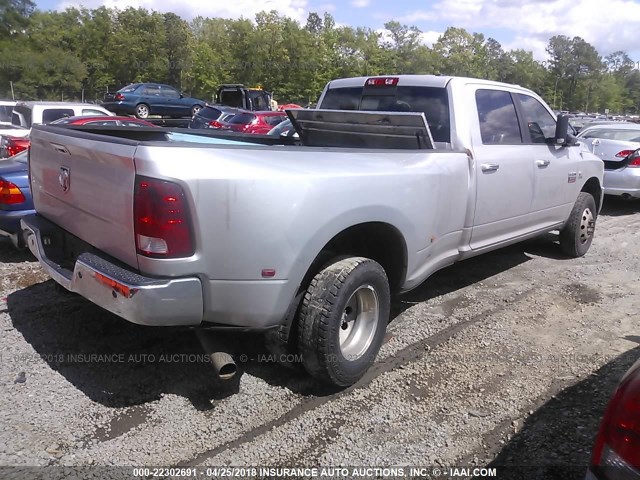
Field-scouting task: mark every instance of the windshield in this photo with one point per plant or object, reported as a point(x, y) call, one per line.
point(432, 101)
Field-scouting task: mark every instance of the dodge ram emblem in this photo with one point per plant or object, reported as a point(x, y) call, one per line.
point(65, 178)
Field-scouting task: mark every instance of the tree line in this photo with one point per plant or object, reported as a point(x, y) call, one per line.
point(83, 53)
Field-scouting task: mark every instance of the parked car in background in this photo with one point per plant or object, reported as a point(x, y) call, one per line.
point(212, 116)
point(144, 99)
point(10, 146)
point(284, 129)
point(15, 196)
point(616, 454)
point(104, 121)
point(616, 144)
point(26, 114)
point(238, 96)
point(6, 107)
point(254, 122)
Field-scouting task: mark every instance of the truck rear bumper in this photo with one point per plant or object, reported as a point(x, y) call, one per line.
point(134, 297)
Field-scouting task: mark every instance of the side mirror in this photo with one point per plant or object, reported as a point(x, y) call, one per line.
point(562, 136)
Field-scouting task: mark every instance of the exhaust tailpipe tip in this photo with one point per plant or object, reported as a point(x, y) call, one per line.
point(224, 365)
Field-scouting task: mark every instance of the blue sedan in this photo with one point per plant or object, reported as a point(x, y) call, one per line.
point(15, 196)
point(144, 99)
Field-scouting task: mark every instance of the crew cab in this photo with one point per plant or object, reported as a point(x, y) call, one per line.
point(392, 179)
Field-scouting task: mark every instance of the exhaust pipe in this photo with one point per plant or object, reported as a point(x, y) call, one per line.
point(222, 362)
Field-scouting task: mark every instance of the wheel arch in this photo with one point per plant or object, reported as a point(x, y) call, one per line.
point(593, 187)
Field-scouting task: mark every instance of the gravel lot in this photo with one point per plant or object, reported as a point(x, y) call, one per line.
point(506, 359)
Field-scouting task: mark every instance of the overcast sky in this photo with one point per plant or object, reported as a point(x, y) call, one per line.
point(609, 25)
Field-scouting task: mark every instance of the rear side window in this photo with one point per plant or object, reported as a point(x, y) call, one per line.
point(51, 114)
point(243, 118)
point(151, 90)
point(274, 120)
point(539, 121)
point(88, 112)
point(210, 113)
point(129, 88)
point(497, 116)
point(432, 101)
point(104, 123)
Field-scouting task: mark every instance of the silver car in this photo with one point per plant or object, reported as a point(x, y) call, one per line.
point(617, 145)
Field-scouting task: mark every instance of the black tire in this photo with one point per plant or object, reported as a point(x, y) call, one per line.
point(577, 234)
point(195, 109)
point(337, 336)
point(142, 110)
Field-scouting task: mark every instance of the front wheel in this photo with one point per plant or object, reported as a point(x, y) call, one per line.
point(577, 234)
point(142, 110)
point(343, 319)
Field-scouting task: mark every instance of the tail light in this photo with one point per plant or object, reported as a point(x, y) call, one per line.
point(215, 124)
point(617, 449)
point(635, 161)
point(162, 221)
point(118, 96)
point(10, 194)
point(624, 153)
point(13, 146)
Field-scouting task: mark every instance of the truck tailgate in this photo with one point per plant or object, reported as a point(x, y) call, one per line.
point(85, 186)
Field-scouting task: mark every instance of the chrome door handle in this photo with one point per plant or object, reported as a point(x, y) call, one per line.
point(543, 163)
point(489, 167)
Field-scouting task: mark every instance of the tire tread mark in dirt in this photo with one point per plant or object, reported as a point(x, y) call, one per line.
point(408, 354)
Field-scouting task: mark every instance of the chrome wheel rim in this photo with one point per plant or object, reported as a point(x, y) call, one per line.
point(359, 322)
point(195, 109)
point(587, 225)
point(143, 111)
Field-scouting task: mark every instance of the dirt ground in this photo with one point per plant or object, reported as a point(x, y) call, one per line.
point(506, 360)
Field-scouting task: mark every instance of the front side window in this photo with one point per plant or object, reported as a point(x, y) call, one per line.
point(539, 121)
point(170, 92)
point(497, 116)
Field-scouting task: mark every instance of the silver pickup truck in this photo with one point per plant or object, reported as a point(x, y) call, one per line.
point(393, 178)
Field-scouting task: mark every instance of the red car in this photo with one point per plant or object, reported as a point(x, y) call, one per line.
point(254, 122)
point(9, 146)
point(616, 455)
point(105, 121)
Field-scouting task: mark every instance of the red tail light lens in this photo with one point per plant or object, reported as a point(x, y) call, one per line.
point(215, 124)
point(635, 162)
point(13, 146)
point(382, 82)
point(118, 96)
point(624, 153)
point(618, 441)
point(10, 194)
point(162, 221)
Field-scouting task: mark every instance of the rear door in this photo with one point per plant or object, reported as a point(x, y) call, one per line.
point(504, 178)
point(86, 186)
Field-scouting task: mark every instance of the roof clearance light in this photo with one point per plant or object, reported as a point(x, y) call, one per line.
point(382, 82)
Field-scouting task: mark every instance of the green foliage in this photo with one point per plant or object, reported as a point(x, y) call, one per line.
point(82, 52)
